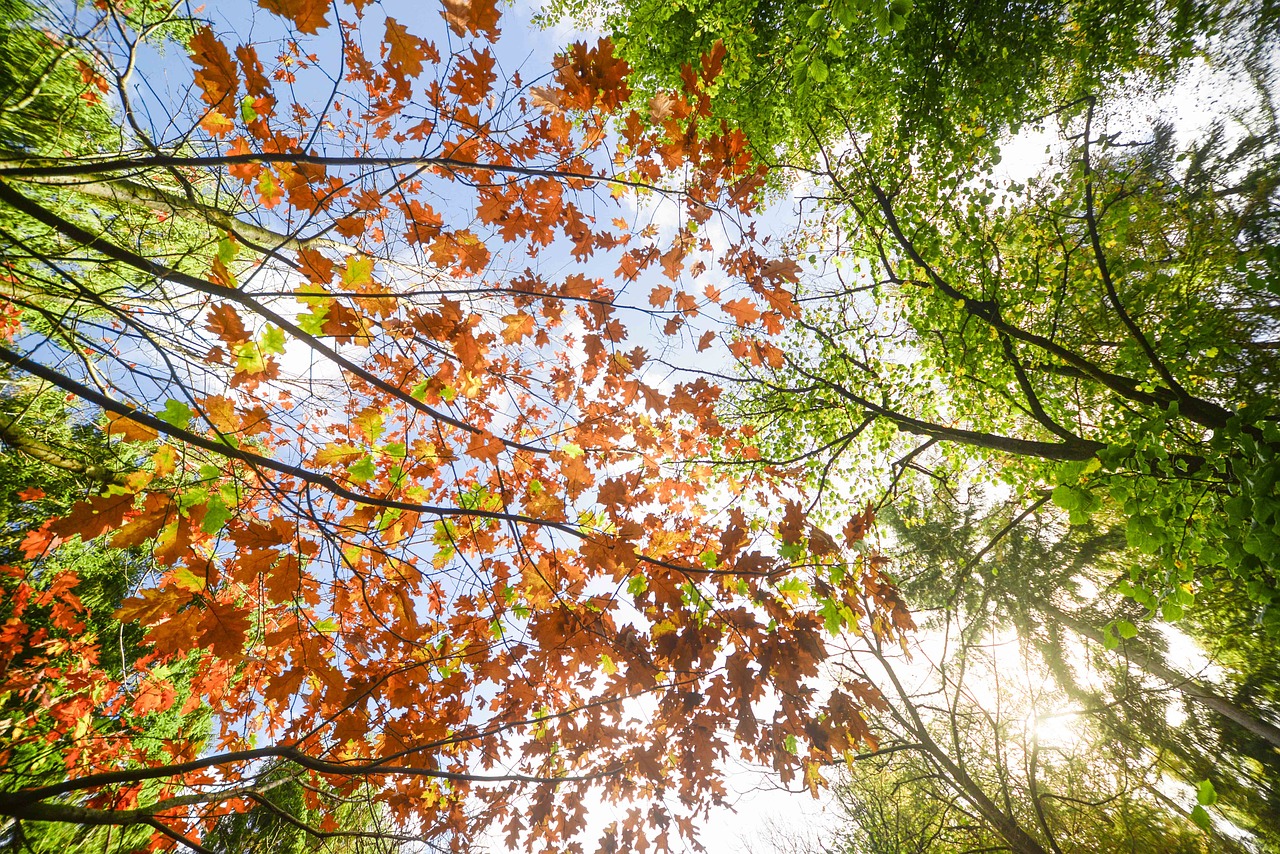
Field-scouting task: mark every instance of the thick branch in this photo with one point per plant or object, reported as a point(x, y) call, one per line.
point(34, 448)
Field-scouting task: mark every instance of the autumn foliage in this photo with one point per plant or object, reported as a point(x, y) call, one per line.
point(428, 500)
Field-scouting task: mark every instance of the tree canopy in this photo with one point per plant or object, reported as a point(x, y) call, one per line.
point(413, 445)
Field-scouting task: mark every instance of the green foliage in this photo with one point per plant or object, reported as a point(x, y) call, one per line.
point(932, 78)
point(32, 489)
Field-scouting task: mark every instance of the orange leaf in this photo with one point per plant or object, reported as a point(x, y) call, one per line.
point(658, 296)
point(224, 322)
point(151, 606)
point(316, 266)
point(406, 51)
point(744, 311)
point(519, 326)
point(216, 75)
point(94, 517)
point(216, 124)
point(307, 15)
point(129, 430)
point(479, 17)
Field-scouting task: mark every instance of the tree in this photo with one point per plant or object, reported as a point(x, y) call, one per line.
point(1047, 591)
point(433, 536)
point(1104, 329)
point(937, 82)
point(1099, 338)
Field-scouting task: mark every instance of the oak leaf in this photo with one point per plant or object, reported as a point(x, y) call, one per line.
point(743, 311)
point(518, 327)
point(307, 15)
point(478, 17)
point(216, 75)
point(406, 51)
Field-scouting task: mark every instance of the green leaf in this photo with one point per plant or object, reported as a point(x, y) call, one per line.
point(312, 322)
point(362, 471)
point(215, 516)
point(790, 744)
point(607, 665)
point(637, 584)
point(1126, 629)
point(227, 250)
point(272, 340)
point(818, 71)
point(1206, 794)
point(176, 413)
point(1201, 817)
point(328, 625)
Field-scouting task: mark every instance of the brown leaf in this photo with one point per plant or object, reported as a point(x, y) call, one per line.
point(791, 528)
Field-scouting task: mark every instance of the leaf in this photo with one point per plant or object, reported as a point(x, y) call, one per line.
point(358, 273)
point(1206, 795)
point(216, 124)
point(406, 51)
point(176, 413)
point(743, 311)
point(338, 455)
point(478, 17)
point(224, 321)
point(92, 518)
point(309, 16)
point(791, 528)
point(518, 327)
point(1201, 817)
point(363, 471)
point(216, 76)
point(272, 340)
point(129, 430)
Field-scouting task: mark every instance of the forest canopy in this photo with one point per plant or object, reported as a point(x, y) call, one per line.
point(415, 442)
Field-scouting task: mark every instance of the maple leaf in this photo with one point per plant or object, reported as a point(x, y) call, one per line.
point(478, 17)
point(309, 16)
